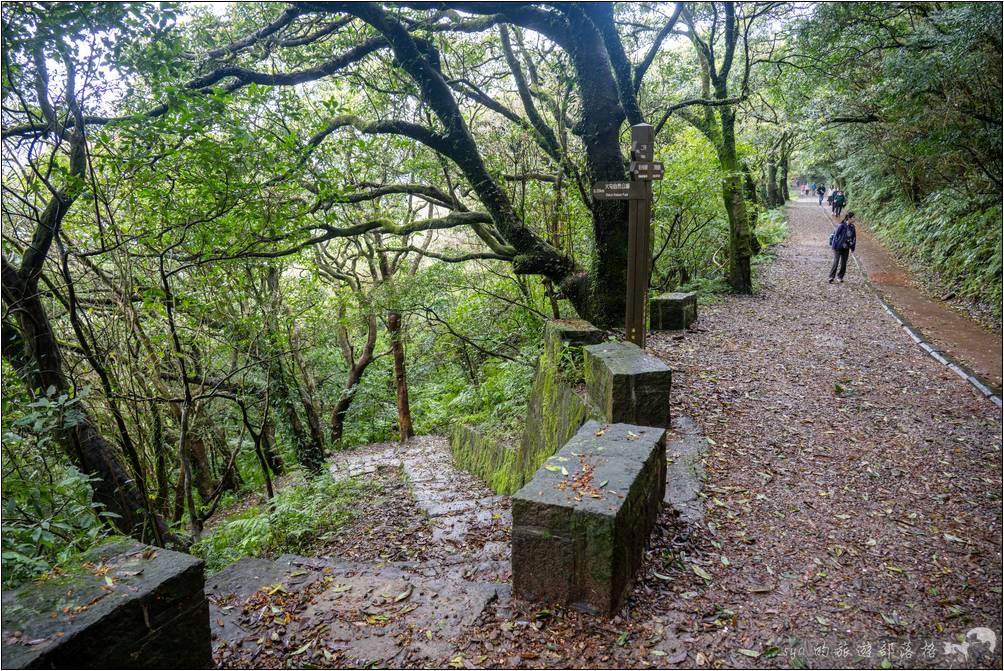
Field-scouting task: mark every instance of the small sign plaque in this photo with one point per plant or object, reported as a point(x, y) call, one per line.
point(642, 151)
point(618, 190)
point(647, 170)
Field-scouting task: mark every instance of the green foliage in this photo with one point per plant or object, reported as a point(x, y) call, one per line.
point(302, 515)
point(483, 376)
point(496, 404)
point(949, 238)
point(771, 227)
point(689, 223)
point(48, 512)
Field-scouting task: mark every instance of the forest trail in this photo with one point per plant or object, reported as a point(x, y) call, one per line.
point(946, 329)
point(854, 482)
point(851, 499)
point(394, 588)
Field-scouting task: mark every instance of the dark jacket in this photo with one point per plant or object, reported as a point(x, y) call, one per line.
point(845, 237)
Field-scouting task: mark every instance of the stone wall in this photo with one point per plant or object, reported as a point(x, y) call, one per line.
point(628, 385)
point(673, 311)
point(493, 459)
point(556, 408)
point(580, 376)
point(126, 606)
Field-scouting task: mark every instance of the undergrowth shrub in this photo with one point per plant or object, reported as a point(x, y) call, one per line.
point(771, 227)
point(953, 242)
point(301, 516)
point(49, 515)
point(497, 404)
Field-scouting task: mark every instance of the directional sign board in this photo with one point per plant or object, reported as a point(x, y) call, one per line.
point(617, 190)
point(638, 193)
point(647, 170)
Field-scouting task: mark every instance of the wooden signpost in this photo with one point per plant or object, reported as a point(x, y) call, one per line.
point(638, 192)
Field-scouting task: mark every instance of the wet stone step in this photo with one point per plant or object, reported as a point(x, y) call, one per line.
point(437, 509)
point(456, 527)
point(368, 614)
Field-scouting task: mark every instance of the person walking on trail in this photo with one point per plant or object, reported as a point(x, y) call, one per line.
point(829, 199)
point(820, 191)
point(839, 200)
point(842, 242)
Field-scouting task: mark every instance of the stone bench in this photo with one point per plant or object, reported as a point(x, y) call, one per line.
point(128, 606)
point(580, 525)
point(628, 385)
point(672, 311)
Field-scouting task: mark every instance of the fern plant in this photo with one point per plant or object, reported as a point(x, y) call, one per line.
point(302, 516)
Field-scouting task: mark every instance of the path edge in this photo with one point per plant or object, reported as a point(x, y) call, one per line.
point(946, 360)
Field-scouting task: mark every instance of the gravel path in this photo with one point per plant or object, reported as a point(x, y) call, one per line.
point(854, 485)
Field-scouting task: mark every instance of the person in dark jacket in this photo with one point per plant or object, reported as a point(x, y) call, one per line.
point(843, 241)
point(820, 191)
point(839, 200)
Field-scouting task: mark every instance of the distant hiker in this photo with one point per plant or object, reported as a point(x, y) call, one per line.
point(842, 241)
point(839, 200)
point(829, 199)
point(820, 191)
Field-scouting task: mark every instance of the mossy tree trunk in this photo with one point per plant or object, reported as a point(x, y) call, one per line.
point(721, 131)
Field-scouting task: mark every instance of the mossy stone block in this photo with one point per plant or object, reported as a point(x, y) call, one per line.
point(580, 525)
point(673, 311)
point(574, 332)
point(130, 606)
point(628, 385)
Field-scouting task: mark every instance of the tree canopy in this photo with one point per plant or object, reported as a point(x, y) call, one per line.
point(238, 237)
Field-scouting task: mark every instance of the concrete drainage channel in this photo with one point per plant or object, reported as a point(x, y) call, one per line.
point(944, 359)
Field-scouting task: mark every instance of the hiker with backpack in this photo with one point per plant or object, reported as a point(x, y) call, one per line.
point(820, 191)
point(839, 200)
point(842, 242)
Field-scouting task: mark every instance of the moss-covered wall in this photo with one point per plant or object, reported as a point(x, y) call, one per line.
point(493, 459)
point(556, 408)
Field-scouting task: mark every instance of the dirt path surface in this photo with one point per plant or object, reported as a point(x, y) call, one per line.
point(850, 516)
point(948, 330)
point(854, 483)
